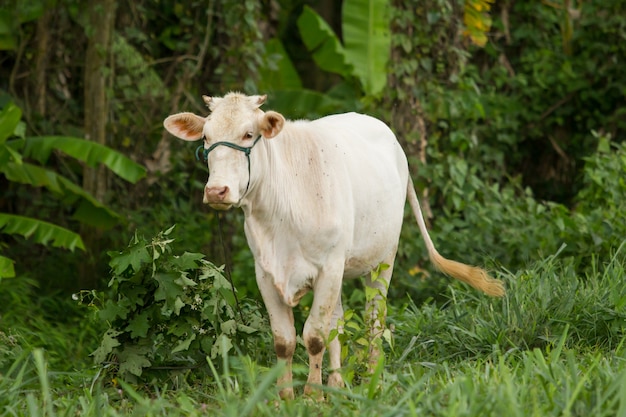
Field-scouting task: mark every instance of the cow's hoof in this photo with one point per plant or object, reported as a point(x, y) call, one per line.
point(313, 392)
point(335, 380)
point(286, 394)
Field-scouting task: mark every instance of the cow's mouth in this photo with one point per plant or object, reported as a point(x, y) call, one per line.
point(220, 206)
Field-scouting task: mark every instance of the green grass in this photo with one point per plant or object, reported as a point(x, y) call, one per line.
point(555, 346)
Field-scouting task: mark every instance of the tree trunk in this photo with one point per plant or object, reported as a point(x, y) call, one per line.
point(41, 61)
point(99, 31)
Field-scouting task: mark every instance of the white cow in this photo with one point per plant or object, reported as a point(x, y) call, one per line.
point(323, 200)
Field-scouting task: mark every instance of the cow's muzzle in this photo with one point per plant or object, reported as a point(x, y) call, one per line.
point(217, 197)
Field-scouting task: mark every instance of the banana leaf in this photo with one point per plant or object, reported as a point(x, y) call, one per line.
point(92, 153)
point(367, 41)
point(90, 211)
point(319, 38)
point(40, 231)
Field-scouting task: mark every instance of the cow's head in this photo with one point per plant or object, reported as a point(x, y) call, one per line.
point(231, 130)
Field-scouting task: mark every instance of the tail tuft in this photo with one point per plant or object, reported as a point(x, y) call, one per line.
point(472, 275)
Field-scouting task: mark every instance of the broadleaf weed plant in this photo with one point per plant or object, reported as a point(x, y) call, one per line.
point(167, 312)
point(362, 336)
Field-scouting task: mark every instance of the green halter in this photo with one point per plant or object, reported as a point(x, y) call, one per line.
point(244, 149)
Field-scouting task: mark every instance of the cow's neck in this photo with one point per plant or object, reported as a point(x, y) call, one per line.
point(291, 178)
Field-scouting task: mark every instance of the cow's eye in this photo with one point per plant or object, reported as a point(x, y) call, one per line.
point(248, 135)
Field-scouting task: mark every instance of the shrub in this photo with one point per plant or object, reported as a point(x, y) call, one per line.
point(168, 312)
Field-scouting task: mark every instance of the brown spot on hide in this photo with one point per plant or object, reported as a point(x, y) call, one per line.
point(284, 349)
point(314, 345)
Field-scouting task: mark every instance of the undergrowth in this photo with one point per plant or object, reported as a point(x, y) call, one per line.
point(553, 346)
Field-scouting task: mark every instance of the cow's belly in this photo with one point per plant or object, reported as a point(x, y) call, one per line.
point(379, 213)
point(366, 255)
point(358, 267)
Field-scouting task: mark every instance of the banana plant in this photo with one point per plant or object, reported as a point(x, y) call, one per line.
point(361, 60)
point(366, 48)
point(16, 149)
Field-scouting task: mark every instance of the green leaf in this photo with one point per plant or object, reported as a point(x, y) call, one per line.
point(25, 173)
point(92, 153)
point(109, 341)
point(184, 345)
point(367, 41)
point(7, 153)
point(229, 327)
point(178, 305)
point(9, 120)
point(187, 261)
point(6, 267)
point(183, 281)
point(168, 290)
point(246, 329)
point(139, 325)
point(112, 310)
point(135, 257)
point(322, 42)
point(179, 328)
point(40, 231)
point(222, 346)
point(133, 360)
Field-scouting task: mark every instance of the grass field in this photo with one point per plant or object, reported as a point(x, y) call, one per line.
point(553, 347)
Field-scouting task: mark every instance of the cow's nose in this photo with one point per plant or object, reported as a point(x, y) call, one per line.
point(214, 194)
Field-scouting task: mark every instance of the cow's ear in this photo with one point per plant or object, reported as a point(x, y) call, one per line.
point(186, 126)
point(271, 124)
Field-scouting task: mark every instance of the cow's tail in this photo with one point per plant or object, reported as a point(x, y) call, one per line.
point(472, 275)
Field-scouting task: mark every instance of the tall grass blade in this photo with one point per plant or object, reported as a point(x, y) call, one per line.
point(42, 372)
point(261, 391)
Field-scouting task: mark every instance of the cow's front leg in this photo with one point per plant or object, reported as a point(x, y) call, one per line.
point(283, 329)
point(317, 327)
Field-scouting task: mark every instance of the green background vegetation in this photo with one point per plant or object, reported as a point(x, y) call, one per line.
point(512, 113)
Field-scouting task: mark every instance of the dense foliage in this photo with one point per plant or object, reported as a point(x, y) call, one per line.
point(169, 311)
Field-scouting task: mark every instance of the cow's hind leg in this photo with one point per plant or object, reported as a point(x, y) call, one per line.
point(317, 327)
point(334, 348)
point(376, 308)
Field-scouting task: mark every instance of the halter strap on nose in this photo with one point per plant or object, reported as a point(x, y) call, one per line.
point(245, 149)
